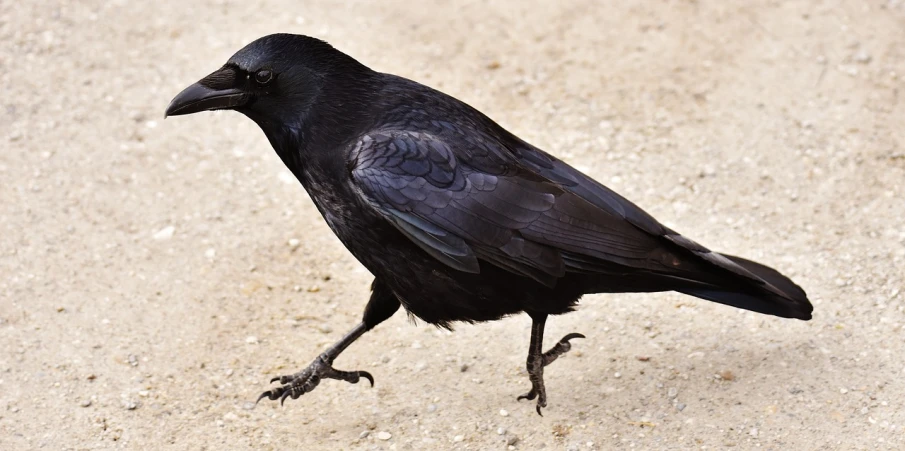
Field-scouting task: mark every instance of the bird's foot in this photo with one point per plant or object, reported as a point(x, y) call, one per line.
point(536, 364)
point(304, 381)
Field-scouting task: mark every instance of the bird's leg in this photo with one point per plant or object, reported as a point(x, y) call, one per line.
point(295, 385)
point(382, 305)
point(537, 359)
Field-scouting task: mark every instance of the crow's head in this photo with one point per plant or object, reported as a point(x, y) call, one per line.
point(276, 78)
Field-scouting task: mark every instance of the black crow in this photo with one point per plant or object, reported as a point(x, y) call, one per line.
point(457, 218)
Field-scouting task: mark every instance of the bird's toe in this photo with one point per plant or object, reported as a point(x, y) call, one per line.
point(295, 385)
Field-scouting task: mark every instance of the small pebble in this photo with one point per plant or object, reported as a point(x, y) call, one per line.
point(843, 391)
point(458, 438)
point(210, 253)
point(314, 289)
point(672, 392)
point(251, 339)
point(384, 435)
point(617, 375)
point(85, 403)
point(753, 432)
point(727, 375)
point(248, 405)
point(504, 412)
point(513, 439)
point(680, 406)
point(294, 243)
point(431, 408)
point(129, 404)
point(862, 57)
point(164, 233)
point(364, 435)
point(133, 360)
point(463, 368)
point(501, 431)
point(642, 358)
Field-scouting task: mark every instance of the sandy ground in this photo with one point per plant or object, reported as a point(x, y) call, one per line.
point(155, 274)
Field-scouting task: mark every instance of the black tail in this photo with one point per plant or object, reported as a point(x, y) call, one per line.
point(780, 297)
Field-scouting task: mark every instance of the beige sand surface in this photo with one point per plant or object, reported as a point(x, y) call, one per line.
point(148, 287)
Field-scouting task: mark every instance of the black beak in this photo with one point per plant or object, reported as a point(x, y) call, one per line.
point(201, 97)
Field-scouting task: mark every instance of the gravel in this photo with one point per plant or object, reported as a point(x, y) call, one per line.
point(766, 130)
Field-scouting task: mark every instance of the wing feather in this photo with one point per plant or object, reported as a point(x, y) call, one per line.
point(463, 200)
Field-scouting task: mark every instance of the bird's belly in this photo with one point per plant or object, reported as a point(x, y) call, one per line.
point(439, 294)
point(427, 288)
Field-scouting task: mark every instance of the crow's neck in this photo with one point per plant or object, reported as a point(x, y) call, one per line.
point(318, 135)
point(316, 140)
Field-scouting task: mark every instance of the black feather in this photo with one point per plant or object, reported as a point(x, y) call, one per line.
point(458, 219)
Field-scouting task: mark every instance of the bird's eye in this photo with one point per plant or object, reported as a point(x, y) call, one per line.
point(263, 76)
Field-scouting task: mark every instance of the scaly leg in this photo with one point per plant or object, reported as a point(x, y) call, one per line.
point(382, 305)
point(537, 359)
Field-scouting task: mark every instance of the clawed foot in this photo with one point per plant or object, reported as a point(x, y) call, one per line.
point(537, 391)
point(536, 364)
point(304, 381)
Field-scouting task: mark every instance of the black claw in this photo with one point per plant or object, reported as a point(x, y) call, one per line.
point(296, 385)
point(538, 410)
point(571, 336)
point(285, 395)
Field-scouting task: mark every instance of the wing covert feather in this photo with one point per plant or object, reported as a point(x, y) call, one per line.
point(525, 216)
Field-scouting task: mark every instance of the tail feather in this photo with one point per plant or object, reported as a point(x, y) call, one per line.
point(771, 276)
point(781, 297)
